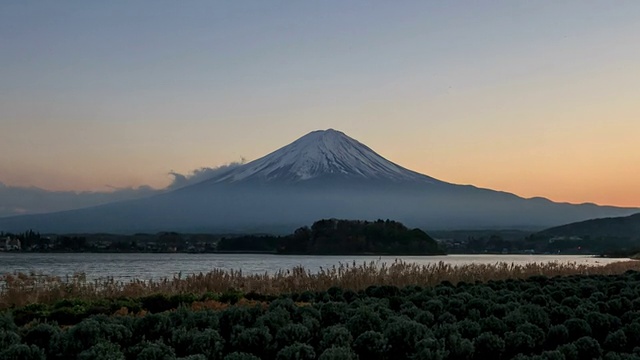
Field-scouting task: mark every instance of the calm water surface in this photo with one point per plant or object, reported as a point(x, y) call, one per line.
point(156, 266)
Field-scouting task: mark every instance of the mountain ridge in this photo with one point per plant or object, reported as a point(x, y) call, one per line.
point(621, 226)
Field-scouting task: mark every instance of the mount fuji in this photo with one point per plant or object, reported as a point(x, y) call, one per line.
point(324, 174)
point(320, 155)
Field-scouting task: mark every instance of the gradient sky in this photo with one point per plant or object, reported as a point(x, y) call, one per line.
point(538, 98)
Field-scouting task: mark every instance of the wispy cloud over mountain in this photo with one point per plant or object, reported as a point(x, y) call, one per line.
point(18, 200)
point(202, 174)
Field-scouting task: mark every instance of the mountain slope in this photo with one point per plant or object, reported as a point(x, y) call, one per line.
point(324, 174)
point(620, 227)
point(322, 154)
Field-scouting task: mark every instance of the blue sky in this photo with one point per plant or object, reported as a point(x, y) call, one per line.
point(533, 97)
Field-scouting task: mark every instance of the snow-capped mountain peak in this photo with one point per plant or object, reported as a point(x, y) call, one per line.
point(322, 153)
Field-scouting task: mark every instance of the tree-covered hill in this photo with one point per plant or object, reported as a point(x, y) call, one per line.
point(333, 236)
point(619, 227)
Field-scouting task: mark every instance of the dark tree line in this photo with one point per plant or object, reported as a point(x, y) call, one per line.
point(333, 236)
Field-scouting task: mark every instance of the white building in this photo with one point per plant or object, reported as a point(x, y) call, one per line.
point(9, 244)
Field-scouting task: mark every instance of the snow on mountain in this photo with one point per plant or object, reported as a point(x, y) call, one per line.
point(321, 154)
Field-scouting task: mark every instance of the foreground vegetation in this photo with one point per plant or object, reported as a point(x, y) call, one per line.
point(18, 290)
point(569, 317)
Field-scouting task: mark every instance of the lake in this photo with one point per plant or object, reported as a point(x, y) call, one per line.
point(125, 267)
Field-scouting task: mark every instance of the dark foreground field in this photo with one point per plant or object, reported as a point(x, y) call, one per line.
point(561, 317)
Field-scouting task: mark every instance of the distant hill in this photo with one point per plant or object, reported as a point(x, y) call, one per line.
point(611, 227)
point(341, 237)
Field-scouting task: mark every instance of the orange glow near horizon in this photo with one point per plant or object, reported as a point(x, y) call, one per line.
point(537, 99)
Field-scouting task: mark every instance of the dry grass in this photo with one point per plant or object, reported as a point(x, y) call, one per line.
point(23, 289)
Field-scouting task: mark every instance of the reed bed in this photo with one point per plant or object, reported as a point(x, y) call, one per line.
point(20, 289)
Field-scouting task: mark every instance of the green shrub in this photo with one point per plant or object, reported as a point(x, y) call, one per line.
point(488, 346)
point(350, 296)
point(253, 340)
point(446, 318)
point(479, 304)
point(540, 300)
point(599, 323)
point(425, 318)
point(557, 335)
point(338, 353)
point(306, 296)
point(292, 333)
point(494, 325)
point(180, 340)
point(364, 319)
point(151, 351)
point(206, 342)
point(304, 312)
point(434, 306)
point(183, 299)
point(403, 335)
point(551, 355)
point(536, 315)
point(40, 335)
point(102, 351)
point(430, 348)
point(534, 332)
point(518, 342)
point(153, 327)
point(234, 316)
point(230, 296)
point(616, 341)
point(313, 326)
point(370, 345)
point(560, 314)
point(513, 319)
point(7, 322)
point(469, 329)
point(22, 352)
point(498, 310)
point(241, 356)
point(296, 352)
point(588, 348)
point(274, 319)
point(332, 313)
point(194, 357)
point(8, 338)
point(632, 332)
point(569, 351)
point(460, 349)
point(336, 335)
point(383, 291)
point(571, 302)
point(577, 328)
point(157, 303)
point(80, 337)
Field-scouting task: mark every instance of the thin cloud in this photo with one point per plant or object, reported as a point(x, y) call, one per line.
point(17, 200)
point(199, 175)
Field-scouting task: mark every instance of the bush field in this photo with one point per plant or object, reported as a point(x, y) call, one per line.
point(23, 289)
point(564, 317)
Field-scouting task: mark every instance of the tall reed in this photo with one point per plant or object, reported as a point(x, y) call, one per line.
point(23, 289)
